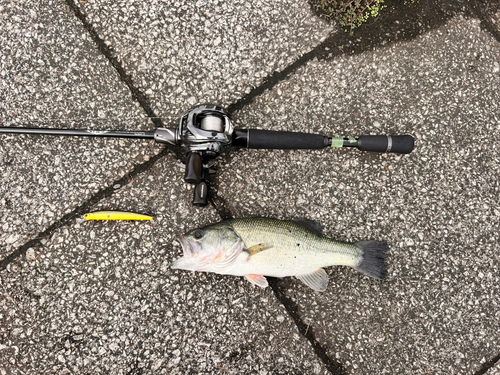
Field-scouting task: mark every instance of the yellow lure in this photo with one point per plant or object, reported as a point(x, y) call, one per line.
point(116, 215)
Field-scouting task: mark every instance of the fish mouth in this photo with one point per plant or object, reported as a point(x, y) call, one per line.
point(189, 248)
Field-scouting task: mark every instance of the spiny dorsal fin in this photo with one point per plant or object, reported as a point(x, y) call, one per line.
point(312, 225)
point(317, 280)
point(257, 248)
point(258, 280)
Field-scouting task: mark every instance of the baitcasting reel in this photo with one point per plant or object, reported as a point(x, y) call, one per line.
point(204, 133)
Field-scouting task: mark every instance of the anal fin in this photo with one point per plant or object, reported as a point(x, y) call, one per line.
point(317, 280)
point(258, 280)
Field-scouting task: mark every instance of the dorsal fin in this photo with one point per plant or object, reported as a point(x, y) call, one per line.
point(312, 225)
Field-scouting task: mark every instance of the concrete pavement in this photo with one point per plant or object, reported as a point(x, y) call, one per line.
point(99, 297)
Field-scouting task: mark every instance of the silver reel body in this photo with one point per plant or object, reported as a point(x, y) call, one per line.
point(205, 129)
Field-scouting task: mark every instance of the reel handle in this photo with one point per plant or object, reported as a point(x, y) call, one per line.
point(194, 168)
point(194, 175)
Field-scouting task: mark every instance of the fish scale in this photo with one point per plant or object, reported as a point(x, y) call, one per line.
point(295, 250)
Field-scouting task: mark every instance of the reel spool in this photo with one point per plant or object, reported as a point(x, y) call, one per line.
point(211, 123)
point(206, 129)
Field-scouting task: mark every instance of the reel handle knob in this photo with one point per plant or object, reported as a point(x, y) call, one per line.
point(194, 168)
point(200, 195)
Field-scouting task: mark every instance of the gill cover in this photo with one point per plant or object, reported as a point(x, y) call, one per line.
point(209, 249)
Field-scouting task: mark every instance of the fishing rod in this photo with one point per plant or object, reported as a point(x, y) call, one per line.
point(206, 132)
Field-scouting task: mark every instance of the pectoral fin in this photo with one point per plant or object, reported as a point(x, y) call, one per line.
point(257, 248)
point(317, 280)
point(258, 280)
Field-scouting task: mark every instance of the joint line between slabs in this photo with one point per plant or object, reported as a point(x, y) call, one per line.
point(486, 22)
point(141, 98)
point(489, 364)
point(83, 208)
point(276, 77)
point(268, 83)
point(105, 50)
point(332, 365)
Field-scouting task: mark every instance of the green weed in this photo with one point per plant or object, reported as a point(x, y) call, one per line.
point(349, 13)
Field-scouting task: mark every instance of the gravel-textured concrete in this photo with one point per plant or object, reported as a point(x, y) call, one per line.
point(495, 370)
point(100, 297)
point(183, 53)
point(437, 208)
point(53, 76)
point(496, 19)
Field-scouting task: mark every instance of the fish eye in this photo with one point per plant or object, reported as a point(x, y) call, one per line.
point(198, 234)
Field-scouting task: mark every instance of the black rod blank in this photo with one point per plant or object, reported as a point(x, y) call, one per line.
point(80, 133)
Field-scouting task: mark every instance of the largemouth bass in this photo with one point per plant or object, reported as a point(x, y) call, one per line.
point(259, 247)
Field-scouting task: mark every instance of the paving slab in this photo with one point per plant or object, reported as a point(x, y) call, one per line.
point(65, 305)
point(100, 297)
point(53, 76)
point(438, 209)
point(184, 53)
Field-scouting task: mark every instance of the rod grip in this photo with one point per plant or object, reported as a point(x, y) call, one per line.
point(400, 144)
point(269, 139)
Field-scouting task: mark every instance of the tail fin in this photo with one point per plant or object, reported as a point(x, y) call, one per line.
point(373, 259)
